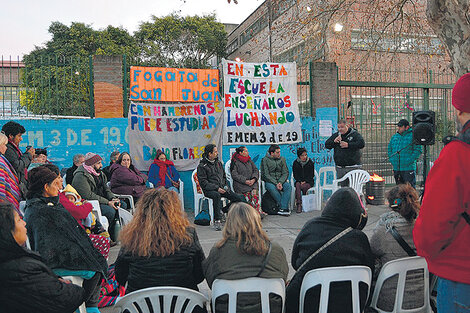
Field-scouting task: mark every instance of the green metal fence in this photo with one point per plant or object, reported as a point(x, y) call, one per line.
point(374, 101)
point(39, 87)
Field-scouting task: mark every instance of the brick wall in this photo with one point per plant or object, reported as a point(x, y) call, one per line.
point(107, 73)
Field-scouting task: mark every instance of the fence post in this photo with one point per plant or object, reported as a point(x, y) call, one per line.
point(92, 98)
point(310, 86)
point(124, 87)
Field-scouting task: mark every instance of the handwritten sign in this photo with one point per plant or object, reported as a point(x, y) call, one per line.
point(181, 131)
point(260, 103)
point(174, 84)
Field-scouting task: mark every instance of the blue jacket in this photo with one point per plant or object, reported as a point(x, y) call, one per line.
point(406, 160)
point(154, 175)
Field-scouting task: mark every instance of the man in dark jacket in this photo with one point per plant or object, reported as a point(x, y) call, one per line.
point(347, 144)
point(20, 161)
point(78, 159)
point(91, 183)
point(213, 182)
point(275, 174)
point(112, 159)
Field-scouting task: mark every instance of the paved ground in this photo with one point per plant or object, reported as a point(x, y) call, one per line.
point(282, 230)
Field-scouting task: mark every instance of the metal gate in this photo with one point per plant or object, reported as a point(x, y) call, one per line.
point(374, 101)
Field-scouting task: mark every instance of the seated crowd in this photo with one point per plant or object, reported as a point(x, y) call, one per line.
point(160, 246)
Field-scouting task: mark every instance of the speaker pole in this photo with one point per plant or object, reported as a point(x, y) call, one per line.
point(425, 171)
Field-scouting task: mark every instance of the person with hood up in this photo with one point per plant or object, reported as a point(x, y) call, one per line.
point(344, 211)
point(347, 144)
point(128, 180)
point(162, 173)
point(27, 284)
point(403, 154)
point(213, 182)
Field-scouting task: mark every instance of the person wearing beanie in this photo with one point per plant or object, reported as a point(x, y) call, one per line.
point(442, 229)
point(91, 184)
point(403, 154)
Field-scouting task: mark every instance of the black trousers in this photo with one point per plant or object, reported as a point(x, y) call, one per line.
point(217, 199)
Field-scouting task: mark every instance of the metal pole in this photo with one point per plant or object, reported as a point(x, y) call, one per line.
point(270, 30)
point(125, 100)
point(91, 96)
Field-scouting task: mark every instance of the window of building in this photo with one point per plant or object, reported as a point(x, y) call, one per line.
point(255, 28)
point(232, 46)
point(280, 6)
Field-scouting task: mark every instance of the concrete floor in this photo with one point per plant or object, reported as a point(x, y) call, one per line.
point(280, 229)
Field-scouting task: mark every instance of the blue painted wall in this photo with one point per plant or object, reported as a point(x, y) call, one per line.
point(66, 137)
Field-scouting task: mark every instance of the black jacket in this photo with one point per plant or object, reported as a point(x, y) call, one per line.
point(181, 269)
point(343, 210)
point(28, 285)
point(57, 236)
point(350, 155)
point(20, 163)
point(211, 175)
point(304, 173)
point(69, 174)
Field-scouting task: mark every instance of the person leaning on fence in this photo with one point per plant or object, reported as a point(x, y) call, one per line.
point(404, 206)
point(347, 144)
point(303, 170)
point(9, 183)
point(27, 284)
point(403, 154)
point(343, 215)
point(19, 160)
point(59, 239)
point(159, 247)
point(213, 182)
point(442, 229)
point(78, 159)
point(241, 254)
point(91, 184)
point(275, 174)
point(245, 176)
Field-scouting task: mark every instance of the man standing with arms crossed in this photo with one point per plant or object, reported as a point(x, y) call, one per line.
point(403, 154)
point(442, 230)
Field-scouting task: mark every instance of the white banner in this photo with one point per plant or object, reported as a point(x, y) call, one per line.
point(260, 101)
point(180, 130)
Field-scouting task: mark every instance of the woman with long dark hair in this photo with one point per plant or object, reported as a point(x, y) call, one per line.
point(245, 176)
point(9, 182)
point(162, 173)
point(27, 284)
point(159, 247)
point(126, 179)
point(56, 235)
point(241, 254)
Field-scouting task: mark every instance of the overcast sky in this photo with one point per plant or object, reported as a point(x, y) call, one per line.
point(24, 23)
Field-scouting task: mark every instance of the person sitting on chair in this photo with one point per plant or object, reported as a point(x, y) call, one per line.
point(78, 159)
point(162, 173)
point(126, 179)
point(245, 251)
point(213, 182)
point(303, 170)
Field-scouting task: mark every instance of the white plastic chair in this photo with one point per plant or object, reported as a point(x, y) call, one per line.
point(357, 180)
point(325, 276)
point(264, 286)
point(228, 174)
point(97, 211)
point(148, 300)
point(76, 280)
point(400, 267)
point(199, 197)
point(323, 175)
point(124, 216)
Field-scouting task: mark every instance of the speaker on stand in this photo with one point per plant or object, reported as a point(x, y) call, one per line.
point(424, 133)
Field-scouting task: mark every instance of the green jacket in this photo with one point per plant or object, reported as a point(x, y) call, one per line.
point(406, 160)
point(86, 186)
point(274, 170)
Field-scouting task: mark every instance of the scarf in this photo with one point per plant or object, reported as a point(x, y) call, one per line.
point(390, 219)
point(240, 157)
point(302, 163)
point(163, 166)
point(91, 170)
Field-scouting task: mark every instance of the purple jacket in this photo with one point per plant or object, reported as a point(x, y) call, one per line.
point(127, 181)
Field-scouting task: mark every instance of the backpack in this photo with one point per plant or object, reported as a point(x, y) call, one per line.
point(269, 205)
point(202, 218)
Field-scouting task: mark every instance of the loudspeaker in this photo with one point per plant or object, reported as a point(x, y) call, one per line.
point(424, 128)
